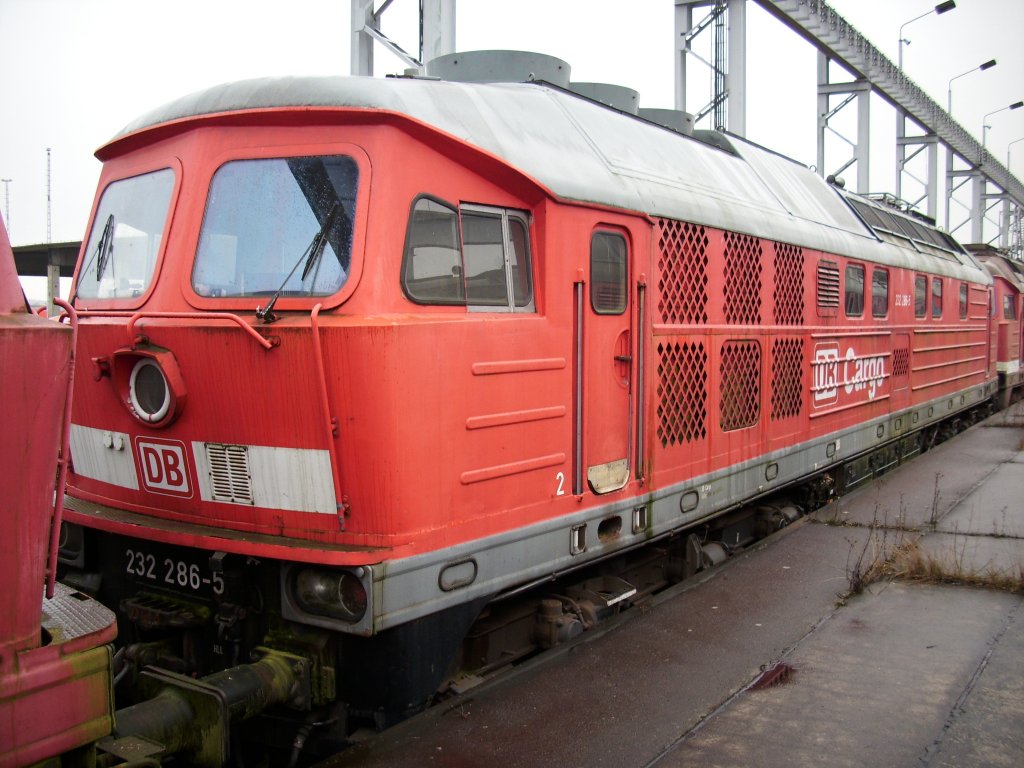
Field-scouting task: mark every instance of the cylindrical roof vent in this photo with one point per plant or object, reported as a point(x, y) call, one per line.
point(676, 119)
point(499, 67)
point(617, 96)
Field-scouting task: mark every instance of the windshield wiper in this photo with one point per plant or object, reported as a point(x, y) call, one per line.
point(311, 256)
point(105, 247)
point(104, 250)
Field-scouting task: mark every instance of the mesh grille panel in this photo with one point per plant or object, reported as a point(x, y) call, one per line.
point(901, 362)
point(682, 392)
point(789, 284)
point(682, 273)
point(742, 279)
point(740, 384)
point(787, 378)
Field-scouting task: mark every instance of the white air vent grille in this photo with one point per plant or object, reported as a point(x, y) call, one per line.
point(230, 478)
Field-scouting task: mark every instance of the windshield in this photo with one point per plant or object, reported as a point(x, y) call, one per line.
point(125, 239)
point(277, 225)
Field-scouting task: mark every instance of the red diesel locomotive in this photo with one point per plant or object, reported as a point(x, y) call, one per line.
point(364, 360)
point(1008, 318)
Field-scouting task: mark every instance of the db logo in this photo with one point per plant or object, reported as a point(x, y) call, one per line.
point(163, 466)
point(826, 374)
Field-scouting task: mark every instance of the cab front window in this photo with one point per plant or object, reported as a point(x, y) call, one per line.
point(278, 226)
point(121, 252)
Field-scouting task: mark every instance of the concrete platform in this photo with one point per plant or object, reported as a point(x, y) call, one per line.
point(907, 672)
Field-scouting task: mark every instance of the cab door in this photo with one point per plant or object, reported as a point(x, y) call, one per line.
point(608, 363)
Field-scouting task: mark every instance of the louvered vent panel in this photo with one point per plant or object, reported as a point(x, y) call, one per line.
point(740, 384)
point(787, 378)
point(828, 284)
point(742, 279)
point(682, 273)
point(682, 393)
point(789, 284)
point(229, 473)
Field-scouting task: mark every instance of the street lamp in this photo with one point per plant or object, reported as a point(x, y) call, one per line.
point(1008, 152)
point(987, 65)
point(939, 9)
point(985, 126)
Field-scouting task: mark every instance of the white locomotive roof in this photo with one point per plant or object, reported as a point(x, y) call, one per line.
point(1001, 266)
point(584, 151)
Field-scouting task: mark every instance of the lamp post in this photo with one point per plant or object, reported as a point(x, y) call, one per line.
point(1008, 152)
point(939, 9)
point(984, 124)
point(949, 103)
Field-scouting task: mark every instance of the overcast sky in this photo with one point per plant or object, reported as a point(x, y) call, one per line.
point(74, 72)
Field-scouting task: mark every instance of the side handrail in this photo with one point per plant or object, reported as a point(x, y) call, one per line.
point(145, 314)
point(65, 454)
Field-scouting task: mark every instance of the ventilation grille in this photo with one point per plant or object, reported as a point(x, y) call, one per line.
point(229, 473)
point(901, 363)
point(740, 384)
point(683, 273)
point(682, 393)
point(789, 284)
point(742, 279)
point(787, 378)
point(828, 285)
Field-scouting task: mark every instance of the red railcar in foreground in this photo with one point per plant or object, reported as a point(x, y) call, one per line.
point(365, 360)
point(55, 652)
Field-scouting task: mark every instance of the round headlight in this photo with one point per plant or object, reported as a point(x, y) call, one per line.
point(338, 594)
point(148, 390)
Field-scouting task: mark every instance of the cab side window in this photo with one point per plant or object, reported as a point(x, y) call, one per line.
point(477, 256)
point(432, 268)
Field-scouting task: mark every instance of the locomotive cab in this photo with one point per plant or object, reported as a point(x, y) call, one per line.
point(303, 331)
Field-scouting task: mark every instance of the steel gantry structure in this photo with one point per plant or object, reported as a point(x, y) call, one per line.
point(922, 124)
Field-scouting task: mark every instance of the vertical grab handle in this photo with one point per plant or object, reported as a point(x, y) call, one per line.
point(65, 449)
point(577, 448)
point(330, 422)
